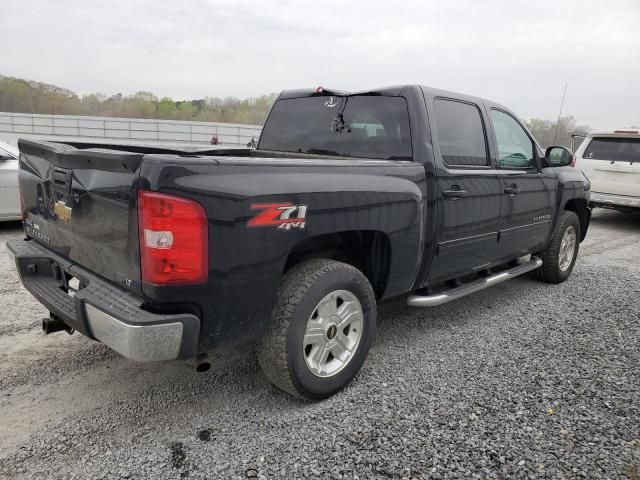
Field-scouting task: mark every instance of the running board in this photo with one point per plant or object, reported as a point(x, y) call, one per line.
point(447, 296)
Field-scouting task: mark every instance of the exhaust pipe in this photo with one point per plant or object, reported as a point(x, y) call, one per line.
point(55, 324)
point(203, 363)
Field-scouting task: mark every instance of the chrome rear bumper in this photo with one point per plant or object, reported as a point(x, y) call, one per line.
point(142, 343)
point(102, 310)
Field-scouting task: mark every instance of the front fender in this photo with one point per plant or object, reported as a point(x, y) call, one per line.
point(573, 194)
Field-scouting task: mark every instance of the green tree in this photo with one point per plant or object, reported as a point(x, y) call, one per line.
point(18, 95)
point(549, 133)
point(167, 108)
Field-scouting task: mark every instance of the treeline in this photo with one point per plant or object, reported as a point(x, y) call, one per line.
point(550, 133)
point(23, 96)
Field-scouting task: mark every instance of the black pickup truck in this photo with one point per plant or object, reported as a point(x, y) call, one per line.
point(168, 253)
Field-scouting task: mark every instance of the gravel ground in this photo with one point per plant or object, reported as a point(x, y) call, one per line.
point(524, 380)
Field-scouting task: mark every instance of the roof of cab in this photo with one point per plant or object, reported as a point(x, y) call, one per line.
point(323, 91)
point(392, 91)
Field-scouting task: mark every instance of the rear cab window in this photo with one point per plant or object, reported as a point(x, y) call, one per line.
point(361, 126)
point(613, 149)
point(460, 133)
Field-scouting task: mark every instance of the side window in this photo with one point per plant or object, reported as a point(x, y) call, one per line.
point(460, 133)
point(515, 148)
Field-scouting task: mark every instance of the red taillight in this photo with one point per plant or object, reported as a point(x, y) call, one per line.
point(173, 239)
point(573, 161)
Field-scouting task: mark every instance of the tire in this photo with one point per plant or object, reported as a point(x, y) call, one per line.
point(556, 268)
point(302, 330)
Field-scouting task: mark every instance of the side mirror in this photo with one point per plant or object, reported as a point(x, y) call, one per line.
point(559, 157)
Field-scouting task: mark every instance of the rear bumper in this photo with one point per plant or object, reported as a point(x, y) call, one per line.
point(606, 200)
point(102, 310)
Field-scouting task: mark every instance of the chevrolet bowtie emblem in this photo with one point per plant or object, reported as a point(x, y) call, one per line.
point(62, 211)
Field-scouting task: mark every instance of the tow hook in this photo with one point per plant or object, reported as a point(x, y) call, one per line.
point(55, 324)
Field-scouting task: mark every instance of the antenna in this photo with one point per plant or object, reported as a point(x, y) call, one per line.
point(555, 137)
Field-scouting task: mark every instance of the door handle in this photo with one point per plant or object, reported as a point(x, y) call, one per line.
point(512, 190)
point(455, 193)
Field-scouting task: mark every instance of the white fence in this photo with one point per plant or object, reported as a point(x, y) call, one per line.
point(17, 125)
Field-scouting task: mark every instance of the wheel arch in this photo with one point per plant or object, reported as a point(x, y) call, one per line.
point(369, 251)
point(580, 207)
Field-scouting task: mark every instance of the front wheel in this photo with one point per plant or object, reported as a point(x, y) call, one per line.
point(560, 256)
point(321, 329)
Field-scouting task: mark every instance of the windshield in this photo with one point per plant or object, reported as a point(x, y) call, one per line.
point(364, 126)
point(613, 149)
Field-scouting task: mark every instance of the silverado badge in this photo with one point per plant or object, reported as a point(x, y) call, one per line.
point(62, 211)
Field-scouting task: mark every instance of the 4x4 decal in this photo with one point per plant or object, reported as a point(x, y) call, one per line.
point(284, 215)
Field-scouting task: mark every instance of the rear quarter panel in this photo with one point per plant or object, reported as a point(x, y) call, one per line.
point(246, 264)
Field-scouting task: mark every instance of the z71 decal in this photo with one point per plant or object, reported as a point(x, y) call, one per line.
point(283, 216)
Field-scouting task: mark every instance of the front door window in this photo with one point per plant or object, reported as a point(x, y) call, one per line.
point(515, 148)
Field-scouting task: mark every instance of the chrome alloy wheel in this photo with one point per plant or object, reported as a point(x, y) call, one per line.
point(567, 248)
point(333, 333)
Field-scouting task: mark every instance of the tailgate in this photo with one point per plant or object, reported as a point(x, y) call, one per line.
point(80, 203)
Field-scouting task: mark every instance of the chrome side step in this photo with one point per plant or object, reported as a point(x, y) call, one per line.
point(447, 296)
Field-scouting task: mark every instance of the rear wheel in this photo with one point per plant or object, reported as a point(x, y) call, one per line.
point(321, 329)
point(560, 256)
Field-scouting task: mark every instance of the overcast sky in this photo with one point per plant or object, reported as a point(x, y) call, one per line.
point(519, 53)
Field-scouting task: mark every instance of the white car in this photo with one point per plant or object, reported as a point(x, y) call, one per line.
point(611, 161)
point(9, 200)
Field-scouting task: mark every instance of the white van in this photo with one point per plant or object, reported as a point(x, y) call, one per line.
point(611, 160)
